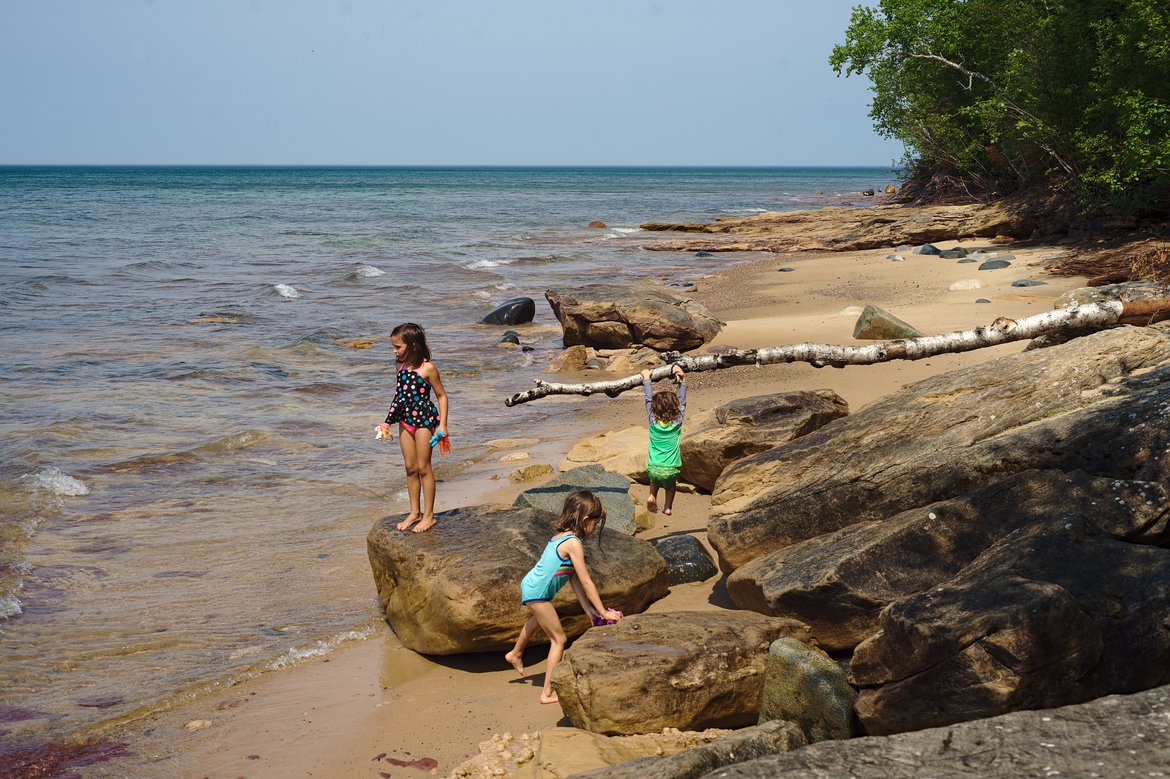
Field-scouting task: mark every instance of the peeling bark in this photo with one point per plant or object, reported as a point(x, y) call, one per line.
point(1003, 330)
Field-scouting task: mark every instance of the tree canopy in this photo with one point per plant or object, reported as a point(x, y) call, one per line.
point(999, 96)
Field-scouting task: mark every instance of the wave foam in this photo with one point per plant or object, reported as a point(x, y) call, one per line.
point(369, 271)
point(57, 482)
point(9, 606)
point(322, 647)
point(286, 291)
point(481, 264)
point(626, 229)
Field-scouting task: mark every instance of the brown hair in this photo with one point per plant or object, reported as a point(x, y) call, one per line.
point(664, 406)
point(580, 506)
point(415, 339)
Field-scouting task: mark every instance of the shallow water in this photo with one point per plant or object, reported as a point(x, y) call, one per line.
point(187, 465)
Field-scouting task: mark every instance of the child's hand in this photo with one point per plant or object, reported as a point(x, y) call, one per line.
point(645, 373)
point(613, 615)
point(383, 432)
point(678, 371)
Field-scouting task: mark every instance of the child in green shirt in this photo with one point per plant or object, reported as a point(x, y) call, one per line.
point(664, 412)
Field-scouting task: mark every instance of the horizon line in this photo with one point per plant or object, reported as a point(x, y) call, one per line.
point(486, 166)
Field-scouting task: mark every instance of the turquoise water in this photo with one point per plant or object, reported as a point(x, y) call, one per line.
point(187, 468)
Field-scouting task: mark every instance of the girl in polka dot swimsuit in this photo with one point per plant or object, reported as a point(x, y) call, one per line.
point(418, 419)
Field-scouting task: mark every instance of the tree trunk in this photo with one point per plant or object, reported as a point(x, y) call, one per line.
point(1076, 319)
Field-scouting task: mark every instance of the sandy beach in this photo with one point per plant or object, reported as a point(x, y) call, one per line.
point(373, 708)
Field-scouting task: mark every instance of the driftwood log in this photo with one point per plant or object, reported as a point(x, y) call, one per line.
point(1076, 320)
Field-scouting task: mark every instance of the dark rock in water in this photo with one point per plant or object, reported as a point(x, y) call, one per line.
point(516, 311)
point(868, 192)
point(926, 248)
point(611, 488)
point(1028, 283)
point(967, 259)
point(786, 270)
point(686, 559)
point(598, 224)
point(510, 337)
point(704, 254)
point(527, 349)
point(982, 300)
point(49, 758)
point(101, 701)
point(994, 265)
point(956, 253)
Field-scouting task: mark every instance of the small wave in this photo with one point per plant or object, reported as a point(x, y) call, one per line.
point(743, 211)
point(626, 229)
point(57, 482)
point(323, 647)
point(286, 291)
point(368, 271)
point(480, 264)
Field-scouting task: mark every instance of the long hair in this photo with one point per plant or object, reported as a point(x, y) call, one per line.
point(664, 406)
point(415, 339)
point(578, 507)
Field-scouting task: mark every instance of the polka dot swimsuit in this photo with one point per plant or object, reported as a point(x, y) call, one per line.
point(412, 401)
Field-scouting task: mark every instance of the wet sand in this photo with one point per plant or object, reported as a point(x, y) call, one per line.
point(373, 708)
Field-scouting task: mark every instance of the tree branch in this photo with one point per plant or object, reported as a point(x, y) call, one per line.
point(1001, 331)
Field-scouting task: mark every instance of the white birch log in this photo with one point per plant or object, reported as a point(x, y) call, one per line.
point(1003, 330)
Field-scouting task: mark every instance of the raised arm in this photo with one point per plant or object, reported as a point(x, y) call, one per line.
point(682, 392)
point(648, 391)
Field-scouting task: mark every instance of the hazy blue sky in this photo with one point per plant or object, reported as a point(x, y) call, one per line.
point(442, 82)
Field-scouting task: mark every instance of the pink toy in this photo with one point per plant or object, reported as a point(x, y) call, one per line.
point(599, 620)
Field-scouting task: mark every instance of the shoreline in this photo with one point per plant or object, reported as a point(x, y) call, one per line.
point(372, 705)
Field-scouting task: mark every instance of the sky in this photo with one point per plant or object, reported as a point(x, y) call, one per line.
point(438, 82)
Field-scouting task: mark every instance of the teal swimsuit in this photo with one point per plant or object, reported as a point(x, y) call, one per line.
point(548, 575)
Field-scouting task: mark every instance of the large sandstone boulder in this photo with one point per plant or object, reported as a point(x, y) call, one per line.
point(456, 588)
point(1089, 404)
point(839, 582)
point(686, 670)
point(1053, 614)
point(602, 315)
point(612, 489)
point(712, 440)
point(1122, 735)
point(621, 451)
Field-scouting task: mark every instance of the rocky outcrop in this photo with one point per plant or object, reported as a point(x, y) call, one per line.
point(714, 439)
point(1095, 404)
point(456, 588)
point(1122, 735)
point(612, 489)
point(621, 451)
point(602, 316)
point(686, 670)
point(1053, 614)
point(845, 229)
point(838, 583)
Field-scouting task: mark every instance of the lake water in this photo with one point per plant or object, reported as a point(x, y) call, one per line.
point(187, 466)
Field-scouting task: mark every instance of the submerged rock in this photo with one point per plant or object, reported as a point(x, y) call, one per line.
point(516, 311)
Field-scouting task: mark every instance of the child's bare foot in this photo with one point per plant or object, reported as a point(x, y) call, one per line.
point(406, 523)
point(425, 524)
point(548, 697)
point(667, 512)
point(651, 504)
point(517, 662)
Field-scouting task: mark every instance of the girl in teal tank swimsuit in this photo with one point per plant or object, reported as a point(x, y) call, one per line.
point(563, 560)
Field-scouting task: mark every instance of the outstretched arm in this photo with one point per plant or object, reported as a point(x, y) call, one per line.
point(582, 579)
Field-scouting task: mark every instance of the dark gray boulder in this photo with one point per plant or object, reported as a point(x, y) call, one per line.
point(516, 311)
point(996, 264)
point(686, 559)
point(612, 488)
point(926, 248)
point(956, 253)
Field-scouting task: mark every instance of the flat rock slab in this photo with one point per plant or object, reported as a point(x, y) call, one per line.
point(611, 488)
point(685, 670)
point(456, 588)
point(1121, 735)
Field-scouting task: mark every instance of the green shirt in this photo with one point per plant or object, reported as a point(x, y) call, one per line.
point(665, 436)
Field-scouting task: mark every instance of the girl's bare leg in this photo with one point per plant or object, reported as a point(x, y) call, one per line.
point(652, 499)
point(410, 460)
point(546, 617)
point(516, 656)
point(668, 502)
point(426, 476)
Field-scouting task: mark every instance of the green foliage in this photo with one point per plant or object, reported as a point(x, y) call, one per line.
point(998, 96)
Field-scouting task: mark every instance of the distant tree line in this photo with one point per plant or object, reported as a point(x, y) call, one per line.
point(995, 97)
